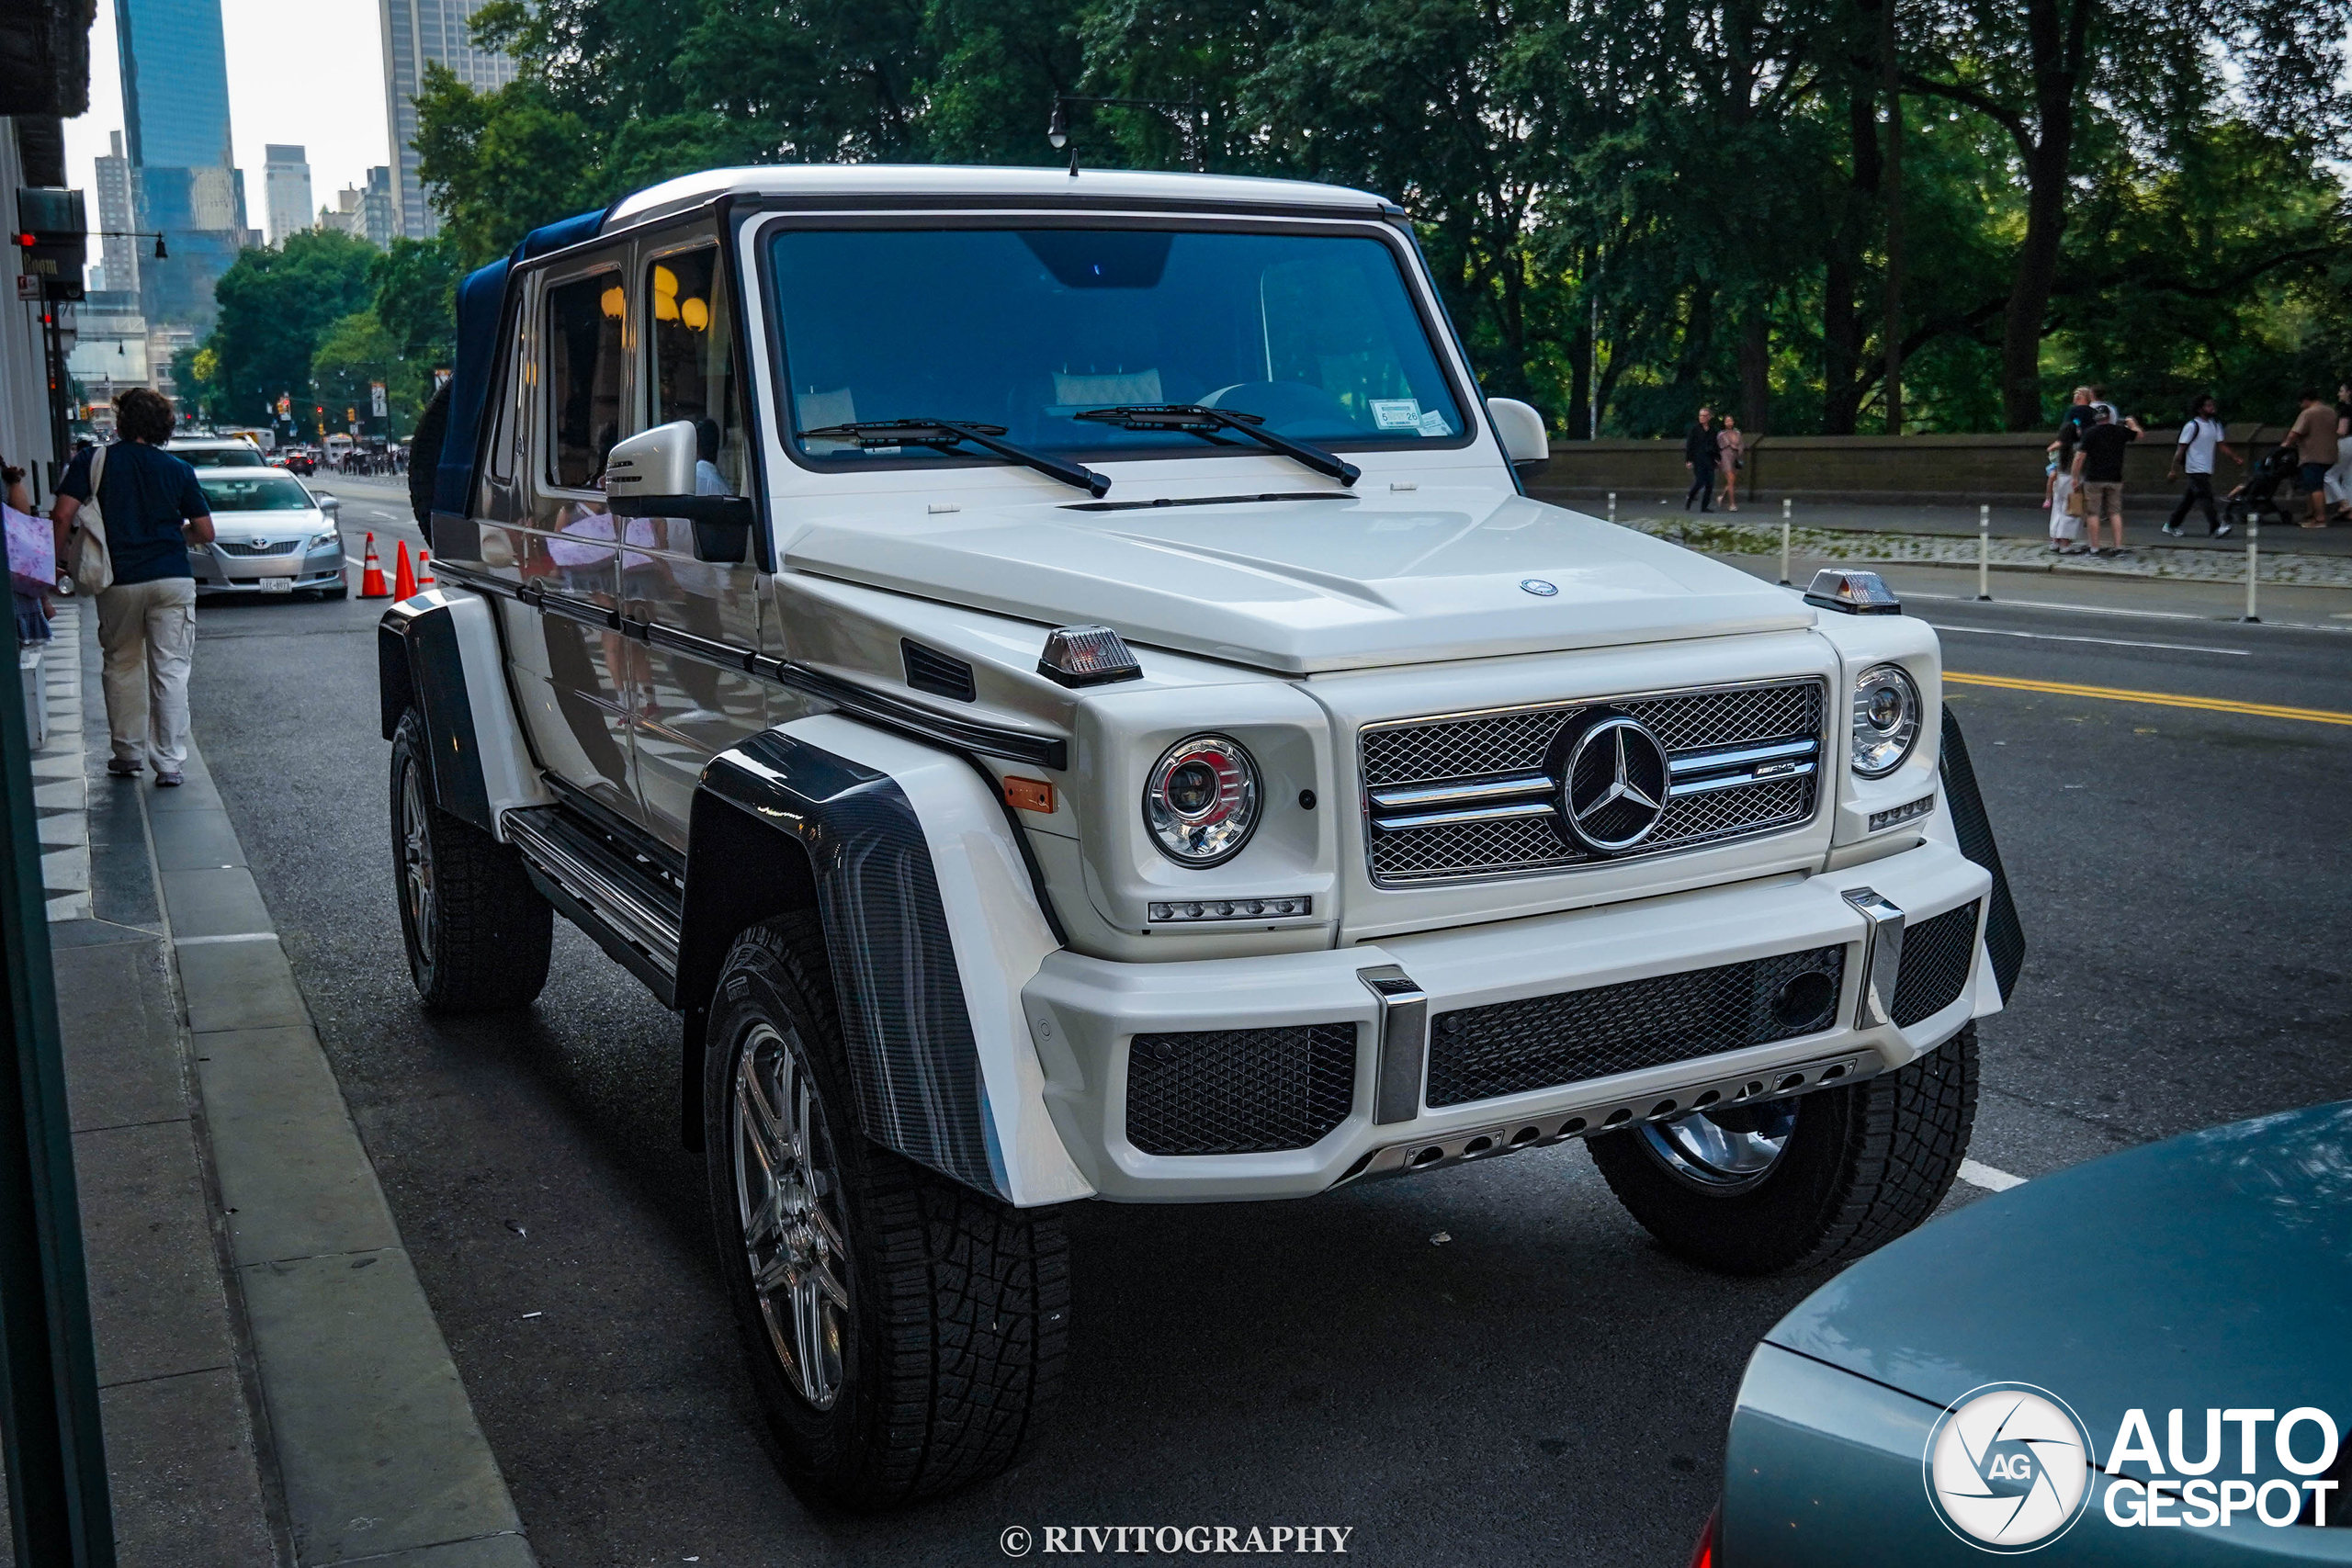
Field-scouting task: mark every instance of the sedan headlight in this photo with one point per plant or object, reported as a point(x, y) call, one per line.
point(1886, 721)
point(327, 540)
point(1201, 801)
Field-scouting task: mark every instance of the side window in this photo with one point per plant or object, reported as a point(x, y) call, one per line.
point(583, 359)
point(513, 374)
point(690, 351)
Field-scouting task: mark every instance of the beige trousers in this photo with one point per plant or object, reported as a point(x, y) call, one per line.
point(148, 631)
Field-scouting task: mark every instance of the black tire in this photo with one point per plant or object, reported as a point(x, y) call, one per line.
point(478, 933)
point(956, 1313)
point(1863, 1165)
point(425, 459)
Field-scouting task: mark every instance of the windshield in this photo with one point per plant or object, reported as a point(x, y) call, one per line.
point(217, 457)
point(256, 493)
point(1027, 327)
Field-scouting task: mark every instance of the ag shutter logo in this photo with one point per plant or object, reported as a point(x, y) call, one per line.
point(2008, 1468)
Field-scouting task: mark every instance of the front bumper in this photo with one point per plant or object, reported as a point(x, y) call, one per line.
point(1085, 1013)
point(297, 572)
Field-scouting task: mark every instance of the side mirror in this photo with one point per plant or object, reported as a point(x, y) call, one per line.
point(329, 505)
point(1522, 429)
point(651, 474)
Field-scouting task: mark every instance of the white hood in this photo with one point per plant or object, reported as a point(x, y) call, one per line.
point(1310, 586)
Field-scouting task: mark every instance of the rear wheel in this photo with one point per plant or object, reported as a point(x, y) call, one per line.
point(478, 933)
point(1805, 1182)
point(903, 1329)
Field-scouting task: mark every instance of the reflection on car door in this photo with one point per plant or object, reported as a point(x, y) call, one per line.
point(574, 678)
point(689, 709)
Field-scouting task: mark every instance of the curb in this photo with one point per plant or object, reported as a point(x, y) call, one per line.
point(363, 1419)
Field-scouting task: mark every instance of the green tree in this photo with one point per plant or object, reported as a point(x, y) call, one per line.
point(275, 308)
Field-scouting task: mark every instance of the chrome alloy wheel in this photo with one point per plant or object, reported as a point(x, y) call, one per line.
point(1725, 1148)
point(787, 1194)
point(416, 858)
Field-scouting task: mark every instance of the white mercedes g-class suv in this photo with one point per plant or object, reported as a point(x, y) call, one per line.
point(1058, 683)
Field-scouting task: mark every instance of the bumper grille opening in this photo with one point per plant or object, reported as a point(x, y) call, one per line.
point(1570, 1036)
point(1239, 1091)
point(1937, 955)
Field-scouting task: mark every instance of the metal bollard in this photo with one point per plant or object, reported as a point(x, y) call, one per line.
point(2253, 531)
point(1984, 554)
point(1612, 506)
point(1786, 502)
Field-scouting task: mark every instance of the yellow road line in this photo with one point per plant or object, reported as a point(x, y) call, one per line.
point(2155, 699)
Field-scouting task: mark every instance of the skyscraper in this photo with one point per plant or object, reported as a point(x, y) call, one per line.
point(285, 190)
point(377, 208)
point(184, 177)
point(118, 215)
point(415, 33)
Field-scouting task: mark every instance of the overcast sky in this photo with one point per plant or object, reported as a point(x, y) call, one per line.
point(305, 71)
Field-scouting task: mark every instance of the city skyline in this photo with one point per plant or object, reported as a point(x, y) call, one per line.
point(416, 32)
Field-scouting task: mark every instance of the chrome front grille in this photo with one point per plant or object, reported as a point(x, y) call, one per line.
point(267, 547)
point(1466, 796)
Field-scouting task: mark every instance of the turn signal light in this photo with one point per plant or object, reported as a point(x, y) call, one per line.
point(1087, 656)
point(1029, 795)
point(1854, 592)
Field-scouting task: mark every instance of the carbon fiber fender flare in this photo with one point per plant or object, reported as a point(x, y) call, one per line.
point(2003, 931)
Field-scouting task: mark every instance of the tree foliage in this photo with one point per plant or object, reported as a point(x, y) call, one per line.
point(1631, 205)
point(276, 307)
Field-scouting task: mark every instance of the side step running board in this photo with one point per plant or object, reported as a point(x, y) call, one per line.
point(631, 911)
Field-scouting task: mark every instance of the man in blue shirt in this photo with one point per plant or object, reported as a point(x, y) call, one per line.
point(153, 510)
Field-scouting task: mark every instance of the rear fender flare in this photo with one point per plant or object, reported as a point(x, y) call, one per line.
point(932, 929)
point(439, 653)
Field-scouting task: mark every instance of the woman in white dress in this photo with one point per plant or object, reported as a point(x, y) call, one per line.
point(2339, 478)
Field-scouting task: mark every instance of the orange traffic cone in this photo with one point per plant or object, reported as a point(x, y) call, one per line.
point(403, 575)
point(371, 583)
point(424, 567)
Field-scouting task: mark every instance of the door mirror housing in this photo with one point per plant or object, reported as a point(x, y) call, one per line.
point(652, 474)
point(1525, 443)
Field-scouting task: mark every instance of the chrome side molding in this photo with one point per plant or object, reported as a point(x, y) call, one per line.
point(1401, 1028)
point(1882, 955)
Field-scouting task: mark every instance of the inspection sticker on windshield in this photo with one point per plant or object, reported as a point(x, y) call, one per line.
point(1433, 424)
point(1397, 413)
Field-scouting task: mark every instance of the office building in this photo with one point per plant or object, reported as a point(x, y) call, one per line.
point(379, 209)
point(118, 215)
point(417, 32)
point(285, 190)
point(185, 182)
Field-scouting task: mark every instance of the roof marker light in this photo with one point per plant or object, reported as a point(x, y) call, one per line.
point(1852, 593)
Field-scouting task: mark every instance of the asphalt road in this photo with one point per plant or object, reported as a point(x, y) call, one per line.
point(1544, 1387)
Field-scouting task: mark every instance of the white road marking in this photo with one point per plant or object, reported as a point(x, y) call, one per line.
point(2102, 641)
point(1985, 1176)
point(2053, 605)
point(241, 936)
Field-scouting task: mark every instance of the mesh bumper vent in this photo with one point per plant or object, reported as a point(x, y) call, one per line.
point(1937, 955)
point(1239, 1091)
point(1520, 742)
point(1571, 1036)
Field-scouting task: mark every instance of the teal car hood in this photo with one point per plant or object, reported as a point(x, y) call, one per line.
point(2207, 1271)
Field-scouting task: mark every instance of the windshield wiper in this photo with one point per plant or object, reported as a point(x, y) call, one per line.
point(1210, 424)
point(945, 433)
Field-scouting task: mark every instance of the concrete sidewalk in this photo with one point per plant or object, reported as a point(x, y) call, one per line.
point(275, 1389)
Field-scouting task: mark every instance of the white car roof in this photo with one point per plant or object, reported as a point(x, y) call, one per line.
point(187, 441)
point(952, 182)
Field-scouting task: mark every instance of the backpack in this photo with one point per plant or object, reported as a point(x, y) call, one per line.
point(87, 560)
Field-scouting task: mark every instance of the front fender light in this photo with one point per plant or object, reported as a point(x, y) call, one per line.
point(1201, 801)
point(1886, 721)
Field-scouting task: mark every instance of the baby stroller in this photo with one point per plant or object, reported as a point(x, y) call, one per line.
point(2256, 501)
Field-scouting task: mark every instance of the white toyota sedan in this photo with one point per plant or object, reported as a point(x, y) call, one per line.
point(271, 534)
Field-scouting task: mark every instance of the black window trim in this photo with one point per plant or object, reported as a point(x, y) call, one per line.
point(614, 260)
point(1437, 328)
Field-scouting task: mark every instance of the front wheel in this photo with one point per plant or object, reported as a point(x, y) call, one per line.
point(1800, 1184)
point(903, 1329)
point(478, 933)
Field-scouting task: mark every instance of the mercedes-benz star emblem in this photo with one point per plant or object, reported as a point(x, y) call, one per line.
point(1612, 791)
point(1538, 587)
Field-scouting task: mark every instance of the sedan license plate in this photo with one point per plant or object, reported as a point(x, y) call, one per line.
point(278, 585)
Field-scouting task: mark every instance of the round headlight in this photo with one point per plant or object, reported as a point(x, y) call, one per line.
point(1886, 719)
point(1201, 801)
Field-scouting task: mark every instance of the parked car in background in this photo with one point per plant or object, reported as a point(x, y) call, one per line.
point(217, 452)
point(2141, 1359)
point(271, 534)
